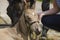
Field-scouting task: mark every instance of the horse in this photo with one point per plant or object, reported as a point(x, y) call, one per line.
point(27, 22)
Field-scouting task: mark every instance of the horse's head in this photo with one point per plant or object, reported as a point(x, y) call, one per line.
point(15, 10)
point(32, 20)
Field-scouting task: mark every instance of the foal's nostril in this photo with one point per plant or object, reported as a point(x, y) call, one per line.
point(37, 32)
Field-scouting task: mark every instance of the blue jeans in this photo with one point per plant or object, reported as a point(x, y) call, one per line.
point(51, 21)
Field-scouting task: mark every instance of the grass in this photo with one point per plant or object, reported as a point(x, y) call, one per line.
point(41, 0)
point(1, 21)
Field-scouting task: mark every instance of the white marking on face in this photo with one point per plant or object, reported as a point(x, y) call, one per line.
point(33, 13)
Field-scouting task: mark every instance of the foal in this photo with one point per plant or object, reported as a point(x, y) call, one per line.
point(17, 11)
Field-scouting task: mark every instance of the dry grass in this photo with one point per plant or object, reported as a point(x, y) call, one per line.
point(1, 21)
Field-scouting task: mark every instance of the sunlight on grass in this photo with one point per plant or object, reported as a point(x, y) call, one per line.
point(1, 21)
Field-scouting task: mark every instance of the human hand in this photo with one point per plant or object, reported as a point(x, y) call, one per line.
point(40, 15)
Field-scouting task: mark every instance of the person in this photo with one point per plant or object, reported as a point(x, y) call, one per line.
point(51, 18)
point(45, 7)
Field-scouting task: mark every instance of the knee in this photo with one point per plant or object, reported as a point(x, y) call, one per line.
point(43, 21)
point(46, 21)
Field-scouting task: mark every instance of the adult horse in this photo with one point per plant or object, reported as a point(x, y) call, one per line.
point(27, 21)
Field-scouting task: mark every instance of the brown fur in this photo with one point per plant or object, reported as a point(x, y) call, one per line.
point(20, 31)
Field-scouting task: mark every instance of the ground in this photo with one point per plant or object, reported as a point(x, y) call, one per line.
point(3, 6)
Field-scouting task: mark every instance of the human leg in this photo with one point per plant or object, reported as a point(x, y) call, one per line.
point(51, 21)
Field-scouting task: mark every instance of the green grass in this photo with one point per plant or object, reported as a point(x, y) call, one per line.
point(41, 0)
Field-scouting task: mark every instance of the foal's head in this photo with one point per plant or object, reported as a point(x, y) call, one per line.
point(32, 20)
point(27, 6)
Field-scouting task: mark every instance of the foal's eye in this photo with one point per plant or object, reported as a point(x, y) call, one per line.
point(29, 18)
